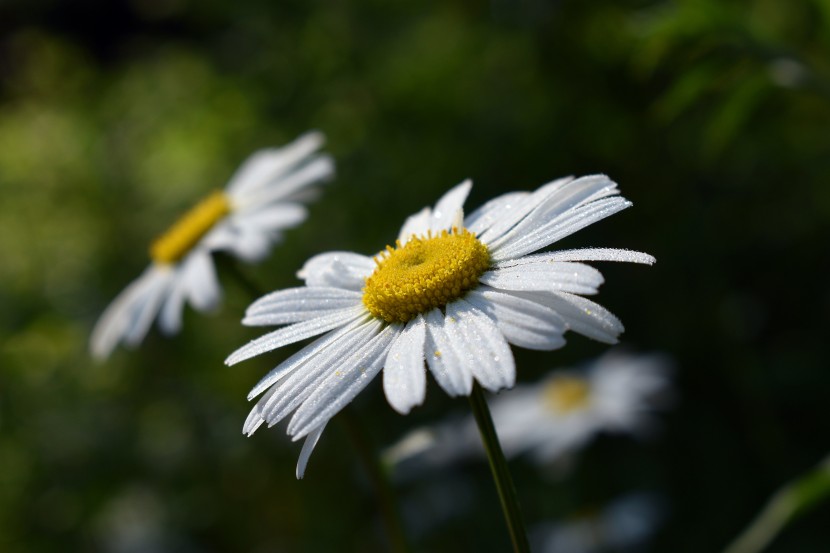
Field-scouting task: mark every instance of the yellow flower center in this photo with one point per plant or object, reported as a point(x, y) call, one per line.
point(566, 394)
point(424, 273)
point(187, 231)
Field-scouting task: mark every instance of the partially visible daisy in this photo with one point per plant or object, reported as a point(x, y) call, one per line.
point(264, 197)
point(617, 393)
point(626, 524)
point(454, 291)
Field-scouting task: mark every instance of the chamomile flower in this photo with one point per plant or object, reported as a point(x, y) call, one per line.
point(617, 393)
point(264, 197)
point(453, 292)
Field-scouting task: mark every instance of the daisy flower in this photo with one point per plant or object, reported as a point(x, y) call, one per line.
point(617, 393)
point(264, 197)
point(453, 292)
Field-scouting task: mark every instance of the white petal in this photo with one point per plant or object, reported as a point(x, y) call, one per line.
point(443, 214)
point(253, 245)
point(487, 215)
point(298, 304)
point(415, 225)
point(552, 276)
point(308, 447)
point(306, 354)
point(295, 388)
point(342, 384)
point(264, 166)
point(519, 243)
point(274, 217)
point(295, 333)
point(118, 317)
point(451, 374)
point(581, 315)
point(584, 254)
point(202, 285)
point(480, 345)
point(338, 269)
point(404, 375)
point(170, 316)
point(523, 322)
point(146, 311)
point(523, 206)
point(318, 169)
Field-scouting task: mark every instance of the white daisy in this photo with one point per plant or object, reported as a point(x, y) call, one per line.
point(617, 393)
point(264, 197)
point(454, 291)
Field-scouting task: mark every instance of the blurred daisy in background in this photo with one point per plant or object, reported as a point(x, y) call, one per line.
point(264, 197)
point(626, 524)
point(454, 291)
point(618, 393)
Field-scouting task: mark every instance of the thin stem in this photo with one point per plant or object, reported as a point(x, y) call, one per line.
point(501, 473)
point(380, 482)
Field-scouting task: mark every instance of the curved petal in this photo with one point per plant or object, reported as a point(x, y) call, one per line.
point(449, 371)
point(404, 375)
point(338, 269)
point(583, 254)
point(295, 333)
point(308, 447)
point(298, 304)
point(481, 346)
point(551, 276)
point(122, 313)
point(342, 385)
point(523, 322)
point(201, 284)
point(444, 213)
point(415, 225)
point(580, 314)
point(491, 212)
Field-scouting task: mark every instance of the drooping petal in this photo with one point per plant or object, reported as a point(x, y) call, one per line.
point(480, 345)
point(126, 309)
point(295, 333)
point(343, 384)
point(289, 393)
point(308, 447)
point(404, 375)
point(338, 269)
point(581, 315)
point(449, 371)
point(524, 323)
point(170, 316)
point(202, 286)
point(298, 304)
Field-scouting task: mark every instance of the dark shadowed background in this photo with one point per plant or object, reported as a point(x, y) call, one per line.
point(115, 116)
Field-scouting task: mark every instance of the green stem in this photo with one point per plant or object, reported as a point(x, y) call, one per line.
point(786, 505)
point(501, 473)
point(380, 482)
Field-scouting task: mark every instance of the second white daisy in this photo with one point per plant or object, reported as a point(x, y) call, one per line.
point(454, 292)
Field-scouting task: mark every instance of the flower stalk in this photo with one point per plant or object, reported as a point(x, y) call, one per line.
point(501, 472)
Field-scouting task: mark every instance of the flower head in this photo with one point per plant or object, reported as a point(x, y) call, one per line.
point(453, 292)
point(263, 198)
point(616, 393)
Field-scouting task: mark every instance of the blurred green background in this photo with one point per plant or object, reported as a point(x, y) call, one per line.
point(115, 116)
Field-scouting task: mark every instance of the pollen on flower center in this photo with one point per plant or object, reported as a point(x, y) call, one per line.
point(424, 273)
point(187, 231)
point(566, 394)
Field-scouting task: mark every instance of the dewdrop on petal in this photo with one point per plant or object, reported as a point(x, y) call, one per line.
point(452, 294)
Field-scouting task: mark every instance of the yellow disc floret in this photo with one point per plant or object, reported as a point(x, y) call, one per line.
point(187, 231)
point(424, 273)
point(566, 394)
